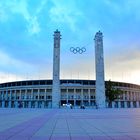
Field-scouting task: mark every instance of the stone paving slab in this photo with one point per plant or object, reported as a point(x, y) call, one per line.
point(69, 124)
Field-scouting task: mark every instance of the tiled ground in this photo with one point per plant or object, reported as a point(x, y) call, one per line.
point(69, 124)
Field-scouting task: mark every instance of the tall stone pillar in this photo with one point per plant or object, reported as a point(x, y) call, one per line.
point(56, 71)
point(99, 63)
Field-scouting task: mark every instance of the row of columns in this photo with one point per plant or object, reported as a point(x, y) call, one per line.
point(45, 94)
point(42, 105)
point(131, 104)
point(81, 96)
point(4, 96)
point(9, 93)
point(37, 104)
point(130, 95)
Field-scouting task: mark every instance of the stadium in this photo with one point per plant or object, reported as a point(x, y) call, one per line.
point(57, 93)
point(38, 94)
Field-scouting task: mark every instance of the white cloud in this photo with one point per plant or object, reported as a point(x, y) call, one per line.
point(41, 6)
point(64, 12)
point(17, 65)
point(124, 66)
point(3, 15)
point(9, 77)
point(9, 8)
point(33, 26)
point(121, 8)
point(20, 7)
point(32, 21)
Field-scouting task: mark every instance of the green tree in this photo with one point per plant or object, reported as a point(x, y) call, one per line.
point(111, 92)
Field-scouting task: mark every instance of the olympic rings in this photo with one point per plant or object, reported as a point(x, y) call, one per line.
point(78, 50)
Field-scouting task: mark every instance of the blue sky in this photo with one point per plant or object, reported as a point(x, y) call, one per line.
point(26, 38)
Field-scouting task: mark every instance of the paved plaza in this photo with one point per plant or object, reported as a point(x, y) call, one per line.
point(69, 124)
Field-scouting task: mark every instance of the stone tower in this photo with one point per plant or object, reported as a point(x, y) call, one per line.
point(56, 71)
point(99, 63)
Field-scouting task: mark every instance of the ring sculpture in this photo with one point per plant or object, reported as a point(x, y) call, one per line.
point(78, 50)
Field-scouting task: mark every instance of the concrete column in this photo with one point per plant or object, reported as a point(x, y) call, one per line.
point(67, 96)
point(2, 95)
point(134, 96)
point(137, 96)
point(131, 104)
point(25, 95)
point(137, 104)
point(32, 94)
point(36, 104)
point(82, 97)
point(89, 97)
point(99, 62)
point(29, 105)
point(3, 104)
point(124, 96)
point(43, 104)
point(128, 96)
point(113, 104)
point(45, 95)
point(38, 94)
point(9, 104)
point(119, 104)
point(125, 104)
point(74, 98)
point(23, 103)
point(105, 104)
point(49, 104)
point(16, 104)
point(6, 97)
point(56, 71)
point(10, 94)
point(15, 95)
point(20, 95)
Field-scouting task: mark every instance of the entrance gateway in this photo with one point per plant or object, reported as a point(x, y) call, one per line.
point(99, 63)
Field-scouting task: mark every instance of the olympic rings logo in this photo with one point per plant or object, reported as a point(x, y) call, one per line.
point(78, 50)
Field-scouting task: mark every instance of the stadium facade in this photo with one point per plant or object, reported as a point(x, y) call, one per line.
point(38, 94)
point(54, 93)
